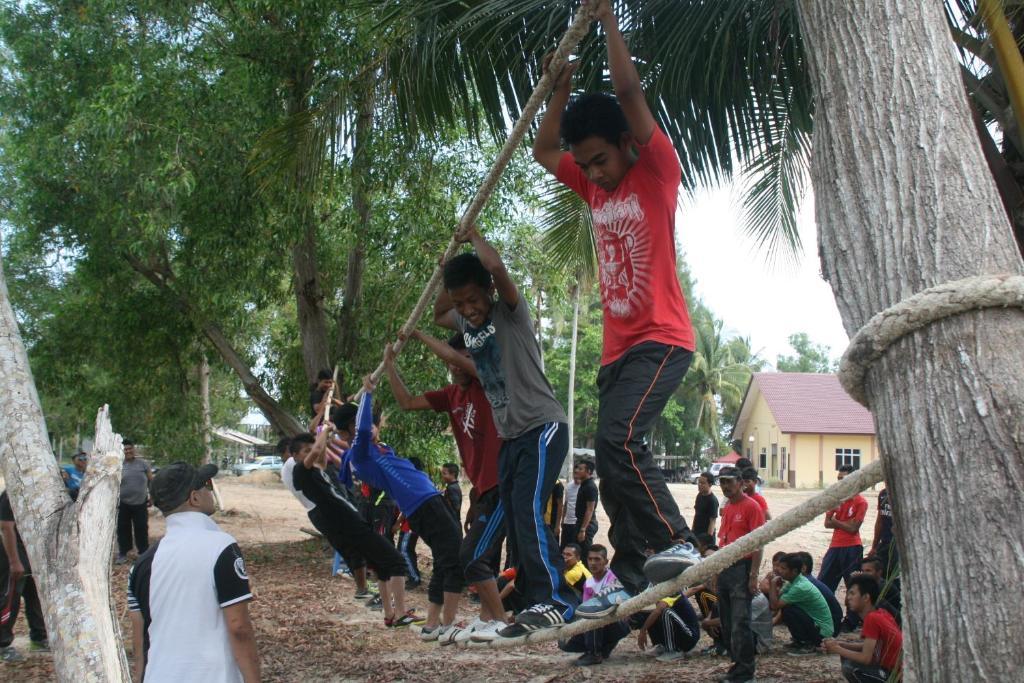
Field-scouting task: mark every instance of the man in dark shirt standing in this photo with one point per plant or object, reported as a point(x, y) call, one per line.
point(133, 509)
point(586, 507)
point(705, 509)
point(452, 490)
point(16, 582)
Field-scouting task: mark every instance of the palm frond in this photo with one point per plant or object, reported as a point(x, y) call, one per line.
point(568, 232)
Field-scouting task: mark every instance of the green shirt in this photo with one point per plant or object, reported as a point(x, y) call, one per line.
point(801, 593)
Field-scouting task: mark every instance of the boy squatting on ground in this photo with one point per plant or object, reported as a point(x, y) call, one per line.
point(626, 169)
point(530, 421)
point(421, 503)
point(472, 425)
point(335, 516)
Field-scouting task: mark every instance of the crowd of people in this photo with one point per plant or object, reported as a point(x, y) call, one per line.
point(526, 548)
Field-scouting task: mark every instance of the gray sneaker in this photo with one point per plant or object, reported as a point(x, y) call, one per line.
point(668, 564)
point(9, 654)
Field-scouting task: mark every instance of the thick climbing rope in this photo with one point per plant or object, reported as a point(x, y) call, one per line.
point(577, 31)
point(828, 499)
point(917, 311)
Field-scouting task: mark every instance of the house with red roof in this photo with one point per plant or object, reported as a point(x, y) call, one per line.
point(800, 427)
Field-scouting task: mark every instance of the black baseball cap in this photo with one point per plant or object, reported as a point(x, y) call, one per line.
point(729, 473)
point(750, 474)
point(172, 484)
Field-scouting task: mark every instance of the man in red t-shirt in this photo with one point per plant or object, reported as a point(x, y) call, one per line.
point(874, 659)
point(847, 549)
point(626, 169)
point(477, 439)
point(737, 584)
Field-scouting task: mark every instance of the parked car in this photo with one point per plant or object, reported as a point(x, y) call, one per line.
point(715, 468)
point(267, 462)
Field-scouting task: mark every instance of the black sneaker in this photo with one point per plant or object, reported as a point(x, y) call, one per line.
point(365, 594)
point(376, 604)
point(668, 564)
point(536, 618)
point(801, 650)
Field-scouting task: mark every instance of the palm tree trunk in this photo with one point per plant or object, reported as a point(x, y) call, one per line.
point(567, 465)
point(1007, 53)
point(68, 543)
point(904, 202)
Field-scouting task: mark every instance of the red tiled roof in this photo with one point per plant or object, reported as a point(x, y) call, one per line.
point(730, 457)
point(812, 403)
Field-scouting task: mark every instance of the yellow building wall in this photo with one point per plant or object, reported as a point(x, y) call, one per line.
point(811, 457)
point(762, 427)
point(816, 453)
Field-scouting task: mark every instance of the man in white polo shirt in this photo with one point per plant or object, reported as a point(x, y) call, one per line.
point(188, 594)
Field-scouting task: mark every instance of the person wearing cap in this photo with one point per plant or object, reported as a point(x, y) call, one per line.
point(737, 584)
point(133, 506)
point(188, 594)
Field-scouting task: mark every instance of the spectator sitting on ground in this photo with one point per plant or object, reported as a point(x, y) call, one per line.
point(889, 597)
point(596, 645)
point(804, 611)
point(576, 574)
point(877, 656)
point(673, 627)
point(833, 604)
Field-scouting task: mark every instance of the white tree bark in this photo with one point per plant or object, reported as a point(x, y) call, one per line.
point(68, 543)
point(904, 201)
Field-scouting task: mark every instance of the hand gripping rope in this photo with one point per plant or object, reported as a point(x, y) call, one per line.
point(577, 30)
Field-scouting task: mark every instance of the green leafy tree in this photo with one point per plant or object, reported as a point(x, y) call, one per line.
point(807, 357)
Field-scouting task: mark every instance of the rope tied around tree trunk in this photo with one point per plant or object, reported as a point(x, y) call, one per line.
point(793, 519)
point(933, 304)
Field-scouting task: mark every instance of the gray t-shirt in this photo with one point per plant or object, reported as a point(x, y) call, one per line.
point(507, 359)
point(135, 481)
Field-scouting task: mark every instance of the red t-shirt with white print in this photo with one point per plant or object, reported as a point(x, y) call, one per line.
point(636, 251)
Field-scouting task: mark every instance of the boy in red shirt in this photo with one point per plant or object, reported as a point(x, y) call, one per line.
point(874, 659)
point(846, 550)
point(626, 169)
point(472, 425)
point(750, 490)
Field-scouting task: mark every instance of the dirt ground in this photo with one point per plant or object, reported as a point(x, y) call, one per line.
point(310, 629)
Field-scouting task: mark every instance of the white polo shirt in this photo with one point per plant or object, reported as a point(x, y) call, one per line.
point(181, 586)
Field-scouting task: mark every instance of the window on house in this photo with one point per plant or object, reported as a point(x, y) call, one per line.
point(848, 456)
point(782, 465)
point(764, 459)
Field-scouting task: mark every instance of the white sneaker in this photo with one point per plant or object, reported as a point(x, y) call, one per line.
point(487, 632)
point(464, 634)
point(446, 634)
point(656, 650)
point(671, 656)
point(429, 634)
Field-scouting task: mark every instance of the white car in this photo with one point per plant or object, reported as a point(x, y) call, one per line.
point(266, 462)
point(715, 468)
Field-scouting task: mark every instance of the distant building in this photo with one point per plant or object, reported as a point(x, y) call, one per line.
point(800, 427)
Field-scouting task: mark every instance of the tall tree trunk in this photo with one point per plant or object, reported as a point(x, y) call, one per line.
point(309, 292)
point(68, 543)
point(348, 321)
point(204, 398)
point(279, 418)
point(568, 464)
point(309, 300)
point(904, 202)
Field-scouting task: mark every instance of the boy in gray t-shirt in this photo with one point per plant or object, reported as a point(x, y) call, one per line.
point(499, 335)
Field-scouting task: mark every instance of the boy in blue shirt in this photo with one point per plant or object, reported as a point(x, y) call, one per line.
point(531, 423)
point(420, 502)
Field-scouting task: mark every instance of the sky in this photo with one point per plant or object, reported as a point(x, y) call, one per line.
point(767, 302)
